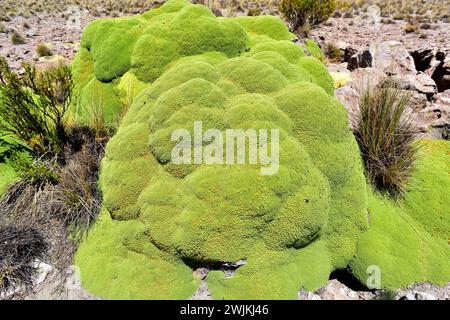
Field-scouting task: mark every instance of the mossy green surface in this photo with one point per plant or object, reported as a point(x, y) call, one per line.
point(159, 218)
point(141, 48)
point(408, 239)
point(313, 49)
point(428, 198)
point(7, 175)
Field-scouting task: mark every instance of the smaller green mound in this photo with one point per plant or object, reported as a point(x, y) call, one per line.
point(120, 57)
point(408, 240)
point(268, 26)
point(111, 42)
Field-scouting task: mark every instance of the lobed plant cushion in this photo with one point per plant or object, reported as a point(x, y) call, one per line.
point(140, 48)
point(162, 220)
point(408, 240)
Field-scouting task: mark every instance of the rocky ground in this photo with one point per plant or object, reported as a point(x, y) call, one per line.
point(359, 32)
point(424, 71)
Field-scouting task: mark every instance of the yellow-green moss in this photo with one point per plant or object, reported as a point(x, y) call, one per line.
point(407, 239)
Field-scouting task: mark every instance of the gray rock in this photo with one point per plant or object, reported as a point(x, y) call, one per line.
point(392, 58)
point(335, 290)
point(425, 84)
point(200, 273)
point(306, 295)
point(424, 291)
point(202, 293)
point(419, 102)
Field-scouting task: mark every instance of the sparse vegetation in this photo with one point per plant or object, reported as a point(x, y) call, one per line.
point(333, 53)
point(410, 27)
point(50, 197)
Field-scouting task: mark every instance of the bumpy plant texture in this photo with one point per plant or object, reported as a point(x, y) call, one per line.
point(408, 240)
point(161, 220)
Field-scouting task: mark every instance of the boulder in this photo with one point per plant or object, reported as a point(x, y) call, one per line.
point(419, 101)
point(392, 58)
point(420, 82)
point(424, 291)
point(367, 77)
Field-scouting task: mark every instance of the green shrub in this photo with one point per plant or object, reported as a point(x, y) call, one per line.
point(304, 12)
point(160, 219)
point(32, 105)
point(10, 146)
point(386, 136)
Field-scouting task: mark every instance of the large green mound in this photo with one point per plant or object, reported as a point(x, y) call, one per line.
point(179, 64)
point(161, 219)
point(408, 240)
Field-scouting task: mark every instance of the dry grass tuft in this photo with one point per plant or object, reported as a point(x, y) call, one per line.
point(386, 136)
point(62, 210)
point(19, 248)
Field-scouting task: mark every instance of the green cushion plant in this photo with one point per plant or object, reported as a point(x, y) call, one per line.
point(161, 220)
